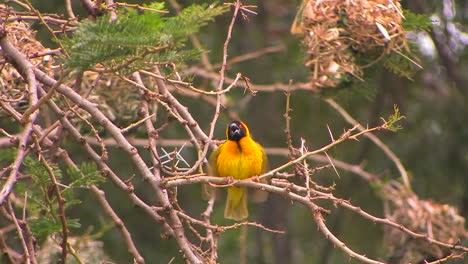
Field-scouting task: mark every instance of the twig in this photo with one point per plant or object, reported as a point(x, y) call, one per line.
point(330, 236)
point(449, 257)
point(222, 73)
point(219, 228)
point(68, 5)
point(25, 68)
point(137, 160)
point(138, 7)
point(345, 136)
point(257, 87)
point(60, 200)
point(373, 138)
point(287, 118)
point(316, 210)
point(37, 55)
point(101, 197)
point(43, 100)
point(400, 227)
point(195, 41)
point(44, 22)
point(243, 245)
point(193, 88)
point(112, 12)
point(126, 129)
point(210, 236)
point(252, 55)
point(91, 7)
point(20, 233)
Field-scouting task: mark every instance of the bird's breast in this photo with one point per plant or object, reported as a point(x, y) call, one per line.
point(240, 159)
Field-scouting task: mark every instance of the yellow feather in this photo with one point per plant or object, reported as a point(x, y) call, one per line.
point(238, 159)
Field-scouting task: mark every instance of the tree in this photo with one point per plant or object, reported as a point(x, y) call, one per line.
point(128, 104)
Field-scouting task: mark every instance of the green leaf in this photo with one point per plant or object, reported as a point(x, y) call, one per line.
point(414, 21)
point(73, 223)
point(87, 174)
point(8, 155)
point(136, 39)
point(43, 227)
point(39, 173)
point(393, 119)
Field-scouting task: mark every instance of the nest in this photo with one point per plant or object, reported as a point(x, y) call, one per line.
point(440, 221)
point(12, 86)
point(335, 32)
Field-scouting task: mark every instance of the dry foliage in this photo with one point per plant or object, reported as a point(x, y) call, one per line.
point(423, 216)
point(334, 31)
point(74, 104)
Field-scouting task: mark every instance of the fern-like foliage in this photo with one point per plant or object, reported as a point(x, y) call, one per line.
point(41, 198)
point(416, 22)
point(137, 39)
point(393, 119)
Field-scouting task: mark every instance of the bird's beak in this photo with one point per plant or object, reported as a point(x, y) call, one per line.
point(235, 130)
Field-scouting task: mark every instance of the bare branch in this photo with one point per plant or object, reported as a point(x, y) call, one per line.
point(101, 197)
point(23, 66)
point(373, 138)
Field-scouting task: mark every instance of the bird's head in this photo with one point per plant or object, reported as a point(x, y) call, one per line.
point(236, 130)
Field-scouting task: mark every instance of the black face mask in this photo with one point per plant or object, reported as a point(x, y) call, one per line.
point(236, 131)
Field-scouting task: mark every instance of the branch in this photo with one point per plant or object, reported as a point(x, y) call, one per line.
point(101, 196)
point(282, 191)
point(345, 136)
point(373, 138)
point(25, 68)
point(91, 7)
point(171, 216)
point(27, 254)
point(330, 236)
point(60, 200)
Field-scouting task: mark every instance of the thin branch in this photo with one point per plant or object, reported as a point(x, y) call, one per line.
point(347, 135)
point(449, 257)
point(60, 200)
point(257, 87)
point(193, 88)
point(252, 55)
point(171, 216)
point(68, 5)
point(25, 68)
point(91, 7)
point(341, 245)
point(400, 227)
point(20, 233)
point(373, 138)
point(101, 197)
point(316, 210)
point(105, 169)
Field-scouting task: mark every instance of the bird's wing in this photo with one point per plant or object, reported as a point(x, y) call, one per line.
point(212, 162)
point(209, 191)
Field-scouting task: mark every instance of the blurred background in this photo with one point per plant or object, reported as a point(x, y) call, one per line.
point(433, 144)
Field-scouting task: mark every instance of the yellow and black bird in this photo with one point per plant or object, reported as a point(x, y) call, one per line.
point(239, 157)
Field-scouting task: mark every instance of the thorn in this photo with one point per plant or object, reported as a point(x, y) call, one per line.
point(331, 162)
point(330, 134)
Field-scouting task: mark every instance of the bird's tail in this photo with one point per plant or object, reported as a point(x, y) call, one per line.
point(236, 204)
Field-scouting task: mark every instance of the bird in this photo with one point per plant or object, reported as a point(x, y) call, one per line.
point(239, 157)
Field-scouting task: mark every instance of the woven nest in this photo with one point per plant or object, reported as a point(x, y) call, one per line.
point(119, 102)
point(333, 31)
point(440, 221)
point(12, 85)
